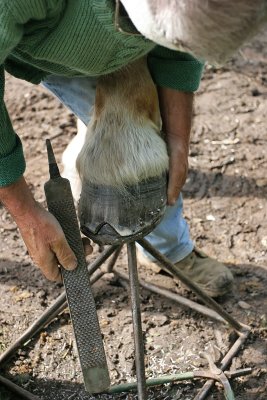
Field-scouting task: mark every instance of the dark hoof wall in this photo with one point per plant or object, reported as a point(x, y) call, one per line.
point(108, 216)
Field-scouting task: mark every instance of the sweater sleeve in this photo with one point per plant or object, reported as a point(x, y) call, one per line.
point(174, 69)
point(12, 163)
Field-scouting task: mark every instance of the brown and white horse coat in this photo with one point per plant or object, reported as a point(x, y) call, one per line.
point(123, 143)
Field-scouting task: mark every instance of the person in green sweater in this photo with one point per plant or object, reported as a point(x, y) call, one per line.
point(64, 45)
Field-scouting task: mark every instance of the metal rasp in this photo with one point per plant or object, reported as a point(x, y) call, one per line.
point(77, 285)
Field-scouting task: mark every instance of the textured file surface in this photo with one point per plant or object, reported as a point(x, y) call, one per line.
point(78, 290)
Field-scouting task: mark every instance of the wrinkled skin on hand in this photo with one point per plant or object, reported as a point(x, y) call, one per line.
point(40, 231)
point(46, 243)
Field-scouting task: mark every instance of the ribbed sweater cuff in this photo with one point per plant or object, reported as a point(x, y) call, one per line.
point(175, 70)
point(12, 166)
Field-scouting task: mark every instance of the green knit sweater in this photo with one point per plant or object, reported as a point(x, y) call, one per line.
point(73, 38)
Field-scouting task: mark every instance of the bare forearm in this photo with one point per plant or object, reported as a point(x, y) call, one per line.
point(17, 198)
point(176, 112)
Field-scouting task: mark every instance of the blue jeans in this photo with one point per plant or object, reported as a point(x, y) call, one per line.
point(171, 237)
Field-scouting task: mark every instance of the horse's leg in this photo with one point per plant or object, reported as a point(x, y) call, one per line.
point(124, 159)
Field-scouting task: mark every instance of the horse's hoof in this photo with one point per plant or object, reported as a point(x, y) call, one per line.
point(109, 216)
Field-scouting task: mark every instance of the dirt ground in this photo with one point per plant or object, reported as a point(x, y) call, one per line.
point(225, 203)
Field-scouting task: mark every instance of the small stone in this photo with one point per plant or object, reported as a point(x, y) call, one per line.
point(210, 217)
point(261, 182)
point(244, 305)
point(104, 323)
point(41, 294)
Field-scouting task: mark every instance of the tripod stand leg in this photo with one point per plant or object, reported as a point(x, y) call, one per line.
point(240, 328)
point(137, 324)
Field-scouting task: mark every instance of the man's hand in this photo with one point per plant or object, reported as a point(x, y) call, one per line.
point(40, 231)
point(176, 112)
point(46, 242)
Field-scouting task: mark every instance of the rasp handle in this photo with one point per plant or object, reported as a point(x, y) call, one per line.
point(77, 285)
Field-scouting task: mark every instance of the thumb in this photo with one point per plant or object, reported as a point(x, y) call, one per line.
point(64, 254)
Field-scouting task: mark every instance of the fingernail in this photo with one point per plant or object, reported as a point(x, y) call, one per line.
point(72, 265)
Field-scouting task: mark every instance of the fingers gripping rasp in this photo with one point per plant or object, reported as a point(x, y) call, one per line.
point(77, 285)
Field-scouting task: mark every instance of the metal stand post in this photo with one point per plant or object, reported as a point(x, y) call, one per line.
point(137, 324)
